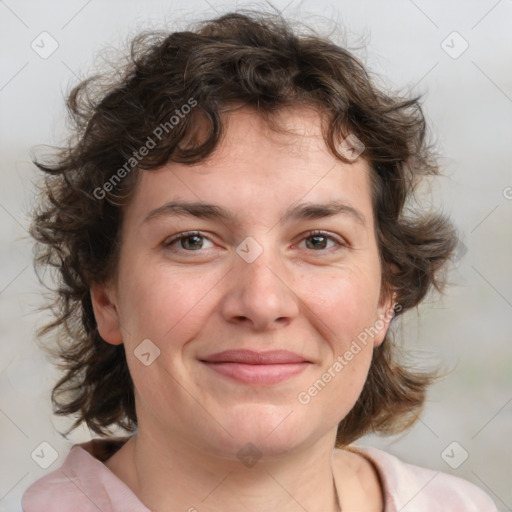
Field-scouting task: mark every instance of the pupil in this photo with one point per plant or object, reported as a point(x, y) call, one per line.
point(322, 244)
point(314, 240)
point(197, 237)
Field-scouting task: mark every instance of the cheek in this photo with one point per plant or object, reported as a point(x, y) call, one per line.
point(343, 315)
point(345, 303)
point(164, 304)
point(343, 307)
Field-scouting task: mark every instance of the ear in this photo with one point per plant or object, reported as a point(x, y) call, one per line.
point(105, 312)
point(384, 314)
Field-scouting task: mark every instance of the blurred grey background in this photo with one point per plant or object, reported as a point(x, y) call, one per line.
point(458, 54)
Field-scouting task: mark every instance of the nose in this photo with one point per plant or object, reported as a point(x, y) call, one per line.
point(261, 293)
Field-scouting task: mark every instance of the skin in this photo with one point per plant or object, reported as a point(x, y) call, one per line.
point(198, 299)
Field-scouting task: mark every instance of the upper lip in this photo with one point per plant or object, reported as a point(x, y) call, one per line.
point(255, 357)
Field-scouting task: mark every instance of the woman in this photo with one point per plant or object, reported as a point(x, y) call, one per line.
point(228, 226)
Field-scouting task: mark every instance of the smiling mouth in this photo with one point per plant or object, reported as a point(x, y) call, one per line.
point(257, 368)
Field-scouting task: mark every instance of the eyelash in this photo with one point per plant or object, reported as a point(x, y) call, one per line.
point(180, 236)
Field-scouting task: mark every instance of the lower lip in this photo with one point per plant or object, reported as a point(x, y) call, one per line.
point(259, 373)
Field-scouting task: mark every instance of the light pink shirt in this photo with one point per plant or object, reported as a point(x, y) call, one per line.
point(84, 484)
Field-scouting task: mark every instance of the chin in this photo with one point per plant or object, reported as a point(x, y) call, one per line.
point(266, 430)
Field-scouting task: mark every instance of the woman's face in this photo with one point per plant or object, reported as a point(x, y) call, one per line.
point(256, 281)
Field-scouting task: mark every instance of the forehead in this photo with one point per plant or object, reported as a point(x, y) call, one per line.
point(257, 172)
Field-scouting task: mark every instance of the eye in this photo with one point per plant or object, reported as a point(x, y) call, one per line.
point(190, 241)
point(193, 241)
point(319, 240)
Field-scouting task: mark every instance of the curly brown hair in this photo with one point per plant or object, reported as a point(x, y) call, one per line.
point(249, 58)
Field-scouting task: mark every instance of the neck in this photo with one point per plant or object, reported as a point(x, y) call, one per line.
point(179, 476)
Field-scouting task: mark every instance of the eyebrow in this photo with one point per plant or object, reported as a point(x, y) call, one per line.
point(304, 211)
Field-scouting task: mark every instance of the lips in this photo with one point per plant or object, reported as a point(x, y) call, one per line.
point(257, 368)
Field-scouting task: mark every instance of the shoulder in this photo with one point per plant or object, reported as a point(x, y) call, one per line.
point(81, 483)
point(62, 488)
point(407, 487)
